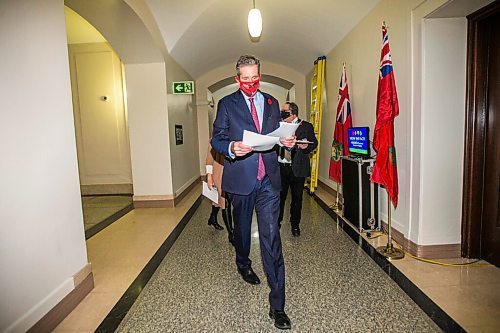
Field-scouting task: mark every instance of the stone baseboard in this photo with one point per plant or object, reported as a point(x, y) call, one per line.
point(163, 201)
point(330, 190)
point(440, 251)
point(423, 251)
point(100, 189)
point(153, 201)
point(84, 283)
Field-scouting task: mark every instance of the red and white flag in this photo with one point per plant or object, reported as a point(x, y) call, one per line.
point(343, 122)
point(385, 171)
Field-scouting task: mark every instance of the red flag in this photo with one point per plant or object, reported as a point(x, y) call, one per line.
point(385, 170)
point(344, 121)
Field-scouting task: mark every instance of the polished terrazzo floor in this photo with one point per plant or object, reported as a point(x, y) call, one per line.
point(332, 285)
point(470, 295)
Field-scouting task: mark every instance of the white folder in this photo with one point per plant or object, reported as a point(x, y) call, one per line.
point(211, 194)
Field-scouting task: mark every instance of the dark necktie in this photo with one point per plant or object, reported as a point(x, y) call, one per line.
point(261, 171)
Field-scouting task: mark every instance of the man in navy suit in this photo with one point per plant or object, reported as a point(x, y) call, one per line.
point(252, 179)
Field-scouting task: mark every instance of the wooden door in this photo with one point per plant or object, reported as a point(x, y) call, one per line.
point(481, 201)
point(490, 230)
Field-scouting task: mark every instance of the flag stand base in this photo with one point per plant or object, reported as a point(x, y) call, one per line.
point(390, 252)
point(336, 206)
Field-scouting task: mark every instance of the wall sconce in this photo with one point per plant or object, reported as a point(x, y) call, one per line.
point(254, 22)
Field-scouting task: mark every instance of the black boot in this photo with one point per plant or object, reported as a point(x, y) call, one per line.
point(226, 216)
point(212, 220)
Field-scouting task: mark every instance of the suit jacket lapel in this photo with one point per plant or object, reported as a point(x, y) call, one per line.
point(243, 107)
point(266, 114)
point(300, 134)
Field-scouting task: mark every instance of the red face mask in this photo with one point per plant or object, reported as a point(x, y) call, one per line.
point(252, 89)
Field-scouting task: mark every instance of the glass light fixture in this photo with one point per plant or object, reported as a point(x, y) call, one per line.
point(254, 22)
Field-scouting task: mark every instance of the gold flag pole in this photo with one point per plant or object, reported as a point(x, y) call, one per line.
point(337, 205)
point(389, 251)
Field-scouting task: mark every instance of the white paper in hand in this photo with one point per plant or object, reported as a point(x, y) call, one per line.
point(285, 130)
point(211, 194)
point(259, 142)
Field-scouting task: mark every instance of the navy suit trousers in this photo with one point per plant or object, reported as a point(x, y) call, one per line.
point(266, 201)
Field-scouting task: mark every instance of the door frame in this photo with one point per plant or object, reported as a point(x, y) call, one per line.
point(475, 129)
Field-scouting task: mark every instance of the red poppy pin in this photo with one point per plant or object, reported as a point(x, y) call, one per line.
point(269, 101)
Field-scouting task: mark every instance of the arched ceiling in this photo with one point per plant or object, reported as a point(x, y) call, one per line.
point(121, 27)
point(205, 34)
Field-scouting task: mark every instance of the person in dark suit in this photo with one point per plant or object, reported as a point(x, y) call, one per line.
point(294, 165)
point(252, 179)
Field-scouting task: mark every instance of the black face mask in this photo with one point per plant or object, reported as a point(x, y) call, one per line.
point(285, 114)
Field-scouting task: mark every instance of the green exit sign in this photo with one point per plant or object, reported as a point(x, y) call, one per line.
point(183, 87)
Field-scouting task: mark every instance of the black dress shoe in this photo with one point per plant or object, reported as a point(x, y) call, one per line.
point(249, 275)
point(213, 222)
point(281, 320)
point(296, 232)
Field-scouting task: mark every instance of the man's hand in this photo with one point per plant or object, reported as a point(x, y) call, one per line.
point(210, 181)
point(288, 142)
point(302, 145)
point(240, 149)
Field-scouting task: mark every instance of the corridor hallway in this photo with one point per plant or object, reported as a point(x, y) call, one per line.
point(49, 269)
point(332, 284)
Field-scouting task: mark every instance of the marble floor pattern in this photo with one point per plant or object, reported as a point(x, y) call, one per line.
point(469, 294)
point(331, 285)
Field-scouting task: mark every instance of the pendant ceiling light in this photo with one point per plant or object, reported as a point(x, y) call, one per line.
point(254, 22)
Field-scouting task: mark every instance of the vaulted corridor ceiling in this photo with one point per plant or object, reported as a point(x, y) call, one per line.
point(202, 35)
